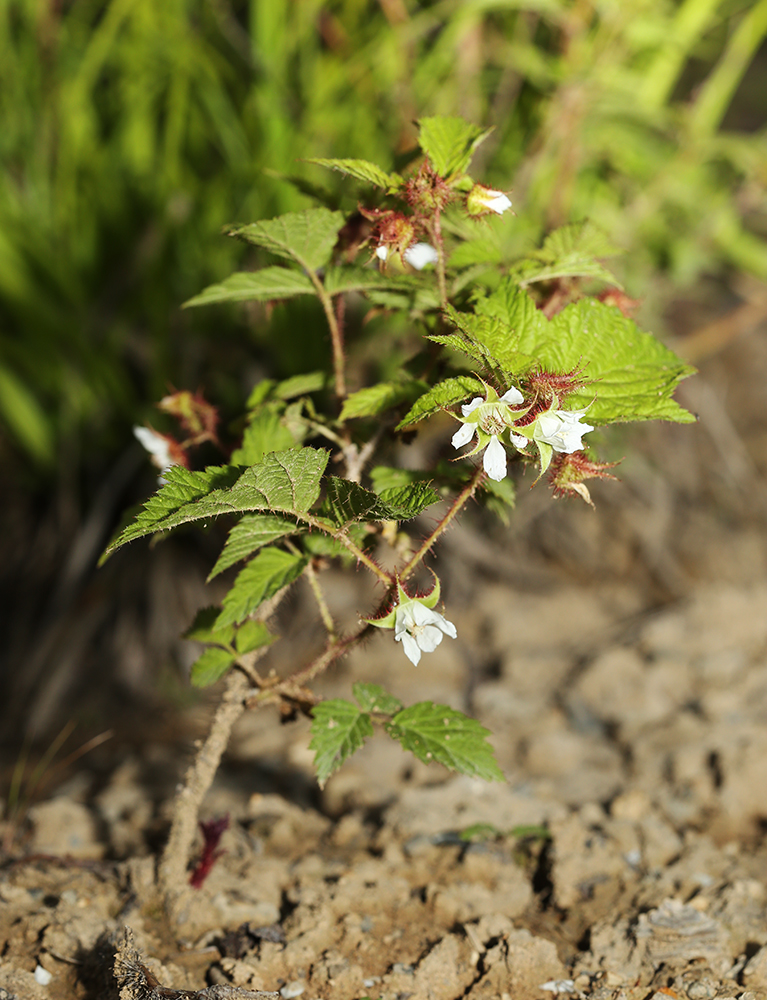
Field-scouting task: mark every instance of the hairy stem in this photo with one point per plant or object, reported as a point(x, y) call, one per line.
point(172, 875)
point(336, 334)
point(436, 233)
point(460, 501)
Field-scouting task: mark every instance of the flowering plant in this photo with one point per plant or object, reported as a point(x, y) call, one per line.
point(515, 350)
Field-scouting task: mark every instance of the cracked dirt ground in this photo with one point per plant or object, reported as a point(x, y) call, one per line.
point(620, 661)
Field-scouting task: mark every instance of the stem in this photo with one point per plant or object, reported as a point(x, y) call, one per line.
point(327, 618)
point(172, 875)
point(436, 229)
point(359, 554)
point(465, 495)
point(336, 335)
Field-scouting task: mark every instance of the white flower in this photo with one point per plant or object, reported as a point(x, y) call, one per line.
point(420, 629)
point(482, 200)
point(157, 445)
point(562, 430)
point(490, 419)
point(496, 201)
point(421, 254)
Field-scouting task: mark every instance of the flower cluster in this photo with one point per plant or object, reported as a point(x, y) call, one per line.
point(505, 420)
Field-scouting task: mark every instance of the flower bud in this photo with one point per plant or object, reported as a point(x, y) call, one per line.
point(482, 200)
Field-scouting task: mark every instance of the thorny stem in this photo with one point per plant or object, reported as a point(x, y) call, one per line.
point(172, 873)
point(436, 228)
point(463, 497)
point(351, 546)
point(336, 334)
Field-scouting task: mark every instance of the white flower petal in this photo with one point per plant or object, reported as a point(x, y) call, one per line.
point(421, 254)
point(463, 435)
point(494, 461)
point(468, 408)
point(562, 430)
point(412, 652)
point(518, 440)
point(382, 252)
point(157, 446)
point(497, 202)
point(429, 637)
point(512, 396)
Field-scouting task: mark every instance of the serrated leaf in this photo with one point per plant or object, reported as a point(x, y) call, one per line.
point(362, 170)
point(252, 635)
point(203, 628)
point(406, 502)
point(449, 143)
point(348, 278)
point(255, 286)
point(211, 666)
point(375, 399)
point(250, 534)
point(287, 481)
point(571, 251)
point(338, 729)
point(373, 698)
point(183, 489)
point(464, 345)
point(346, 501)
point(263, 576)
point(438, 733)
point(634, 374)
point(447, 393)
point(300, 385)
point(266, 432)
point(307, 237)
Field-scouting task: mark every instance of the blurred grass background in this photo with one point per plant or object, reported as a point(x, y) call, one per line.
point(132, 130)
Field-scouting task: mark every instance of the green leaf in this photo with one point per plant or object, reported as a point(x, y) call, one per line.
point(250, 534)
point(447, 393)
point(631, 374)
point(571, 251)
point(339, 280)
point(183, 490)
point(307, 237)
point(373, 698)
point(464, 344)
point(634, 375)
point(257, 286)
point(300, 385)
point(260, 392)
point(406, 502)
point(211, 666)
point(347, 501)
point(438, 733)
point(362, 170)
point(263, 576)
point(338, 729)
point(449, 143)
point(203, 628)
point(266, 432)
point(375, 399)
point(253, 635)
point(287, 481)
